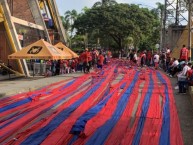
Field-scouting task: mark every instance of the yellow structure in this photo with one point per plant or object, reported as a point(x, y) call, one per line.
point(64, 48)
point(10, 38)
point(40, 50)
point(183, 40)
point(22, 23)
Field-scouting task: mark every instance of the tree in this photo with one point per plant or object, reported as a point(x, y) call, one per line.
point(105, 3)
point(69, 18)
point(159, 11)
point(67, 26)
point(117, 22)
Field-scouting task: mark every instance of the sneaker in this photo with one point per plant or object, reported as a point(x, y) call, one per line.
point(176, 87)
point(171, 76)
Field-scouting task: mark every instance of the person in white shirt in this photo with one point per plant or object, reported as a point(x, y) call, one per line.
point(173, 68)
point(135, 57)
point(156, 60)
point(182, 77)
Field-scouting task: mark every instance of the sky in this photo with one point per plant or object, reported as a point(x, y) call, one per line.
point(78, 5)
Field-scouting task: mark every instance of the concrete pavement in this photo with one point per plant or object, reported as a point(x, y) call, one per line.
point(185, 113)
point(22, 84)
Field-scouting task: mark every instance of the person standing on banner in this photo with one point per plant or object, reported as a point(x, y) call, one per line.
point(86, 61)
point(149, 56)
point(168, 58)
point(156, 60)
point(101, 59)
point(143, 58)
point(184, 54)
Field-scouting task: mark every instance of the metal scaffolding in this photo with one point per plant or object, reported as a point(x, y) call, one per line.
point(175, 14)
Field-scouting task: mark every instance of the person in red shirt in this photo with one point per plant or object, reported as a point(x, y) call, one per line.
point(184, 54)
point(89, 61)
point(149, 56)
point(143, 58)
point(86, 67)
point(101, 59)
point(109, 55)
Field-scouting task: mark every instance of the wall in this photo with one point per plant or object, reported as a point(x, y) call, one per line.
point(5, 49)
point(22, 10)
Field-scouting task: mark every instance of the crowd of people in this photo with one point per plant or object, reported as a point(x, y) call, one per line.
point(174, 67)
point(87, 60)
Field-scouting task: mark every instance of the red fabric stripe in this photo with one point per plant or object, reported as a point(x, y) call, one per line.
point(152, 126)
point(175, 131)
point(119, 130)
point(12, 99)
point(61, 133)
point(104, 114)
point(14, 127)
point(130, 132)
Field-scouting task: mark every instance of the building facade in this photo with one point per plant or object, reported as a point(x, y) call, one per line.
point(23, 22)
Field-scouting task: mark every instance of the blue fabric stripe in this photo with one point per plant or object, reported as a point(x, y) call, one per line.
point(69, 95)
point(29, 99)
point(67, 85)
point(165, 130)
point(101, 134)
point(142, 118)
point(75, 137)
point(12, 120)
point(81, 122)
point(45, 110)
point(16, 104)
point(41, 134)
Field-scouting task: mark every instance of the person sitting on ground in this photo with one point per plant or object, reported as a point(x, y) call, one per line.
point(182, 77)
point(48, 73)
point(190, 77)
point(173, 69)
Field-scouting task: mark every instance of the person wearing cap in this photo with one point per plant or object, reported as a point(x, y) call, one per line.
point(182, 77)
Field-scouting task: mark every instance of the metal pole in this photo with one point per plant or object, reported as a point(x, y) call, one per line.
point(177, 13)
point(189, 26)
point(164, 26)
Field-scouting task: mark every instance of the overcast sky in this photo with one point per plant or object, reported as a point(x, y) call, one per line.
point(78, 5)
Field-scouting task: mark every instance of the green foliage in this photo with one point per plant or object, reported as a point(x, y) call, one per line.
point(113, 24)
point(105, 3)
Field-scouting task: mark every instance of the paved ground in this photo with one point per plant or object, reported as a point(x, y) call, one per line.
point(185, 113)
point(19, 85)
point(183, 102)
